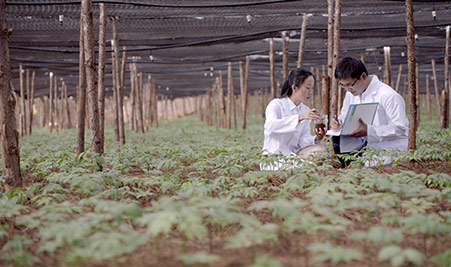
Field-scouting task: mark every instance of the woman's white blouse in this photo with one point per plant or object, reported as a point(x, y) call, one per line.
point(283, 131)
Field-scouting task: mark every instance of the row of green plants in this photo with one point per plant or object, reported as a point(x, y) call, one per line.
point(195, 182)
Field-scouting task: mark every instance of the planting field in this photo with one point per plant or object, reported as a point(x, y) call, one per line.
point(188, 194)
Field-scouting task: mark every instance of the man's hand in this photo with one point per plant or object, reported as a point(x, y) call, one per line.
point(335, 125)
point(362, 131)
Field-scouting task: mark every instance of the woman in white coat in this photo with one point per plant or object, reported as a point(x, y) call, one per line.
point(288, 120)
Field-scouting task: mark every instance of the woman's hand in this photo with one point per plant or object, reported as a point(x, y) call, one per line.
point(311, 114)
point(320, 133)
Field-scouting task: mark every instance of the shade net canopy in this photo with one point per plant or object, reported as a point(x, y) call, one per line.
point(184, 45)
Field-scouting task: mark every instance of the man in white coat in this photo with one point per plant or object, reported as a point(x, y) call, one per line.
point(390, 125)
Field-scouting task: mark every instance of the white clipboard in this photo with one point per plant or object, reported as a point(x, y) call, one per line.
point(365, 111)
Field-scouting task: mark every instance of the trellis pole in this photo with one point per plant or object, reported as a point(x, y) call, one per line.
point(120, 98)
point(398, 79)
point(140, 103)
point(9, 136)
point(417, 85)
point(447, 83)
point(229, 95)
point(155, 104)
point(28, 104)
point(272, 68)
point(284, 55)
point(221, 101)
point(101, 70)
point(339, 92)
point(22, 102)
point(444, 118)
point(428, 97)
point(302, 41)
point(69, 119)
point(131, 97)
point(90, 65)
point(437, 94)
point(31, 102)
point(116, 77)
point(244, 94)
point(56, 107)
point(332, 100)
point(411, 60)
point(387, 66)
point(81, 96)
point(51, 101)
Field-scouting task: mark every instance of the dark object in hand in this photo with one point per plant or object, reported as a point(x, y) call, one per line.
point(320, 126)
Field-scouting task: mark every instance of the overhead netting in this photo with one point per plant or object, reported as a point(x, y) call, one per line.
point(184, 44)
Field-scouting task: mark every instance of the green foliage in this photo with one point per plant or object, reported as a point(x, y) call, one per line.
point(442, 259)
point(398, 256)
point(10, 207)
point(326, 252)
point(265, 262)
point(14, 251)
point(379, 234)
point(198, 258)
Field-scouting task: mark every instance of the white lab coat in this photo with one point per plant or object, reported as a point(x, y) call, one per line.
point(390, 126)
point(284, 134)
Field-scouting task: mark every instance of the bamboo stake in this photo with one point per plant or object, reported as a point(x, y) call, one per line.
point(398, 80)
point(428, 97)
point(285, 55)
point(437, 95)
point(101, 70)
point(387, 66)
point(411, 74)
point(90, 65)
point(229, 96)
point(272, 68)
point(302, 41)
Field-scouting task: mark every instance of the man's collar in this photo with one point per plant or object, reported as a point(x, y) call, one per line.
point(371, 89)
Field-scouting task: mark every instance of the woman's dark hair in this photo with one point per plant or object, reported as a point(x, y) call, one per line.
point(296, 77)
point(349, 67)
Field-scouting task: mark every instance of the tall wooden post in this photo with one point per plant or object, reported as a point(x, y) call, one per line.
point(428, 97)
point(69, 120)
point(91, 79)
point(387, 66)
point(43, 110)
point(221, 101)
point(22, 121)
point(9, 136)
point(140, 103)
point(398, 80)
point(120, 98)
point(337, 93)
point(272, 69)
point(444, 122)
point(50, 102)
point(116, 77)
point(31, 102)
point(325, 107)
point(302, 41)
point(101, 80)
point(81, 95)
point(437, 94)
point(56, 107)
point(155, 104)
point(330, 57)
point(244, 94)
point(411, 74)
point(28, 104)
point(417, 85)
point(229, 96)
point(447, 83)
point(284, 55)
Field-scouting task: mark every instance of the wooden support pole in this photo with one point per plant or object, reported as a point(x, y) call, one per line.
point(132, 98)
point(55, 104)
point(69, 119)
point(417, 85)
point(222, 105)
point(411, 60)
point(387, 61)
point(120, 98)
point(330, 39)
point(22, 102)
point(43, 110)
point(101, 70)
point(446, 66)
point(428, 98)
point(325, 107)
point(229, 96)
point(398, 80)
point(284, 55)
point(28, 104)
point(140, 103)
point(444, 117)
point(91, 79)
point(116, 77)
point(436, 90)
point(245, 94)
point(31, 102)
point(302, 41)
point(81, 96)
point(337, 93)
point(155, 104)
point(9, 136)
point(208, 112)
point(272, 69)
point(50, 102)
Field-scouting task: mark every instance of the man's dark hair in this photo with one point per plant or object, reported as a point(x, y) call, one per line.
point(349, 67)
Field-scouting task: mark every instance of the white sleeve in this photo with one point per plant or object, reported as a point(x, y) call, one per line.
point(398, 124)
point(306, 138)
point(275, 123)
